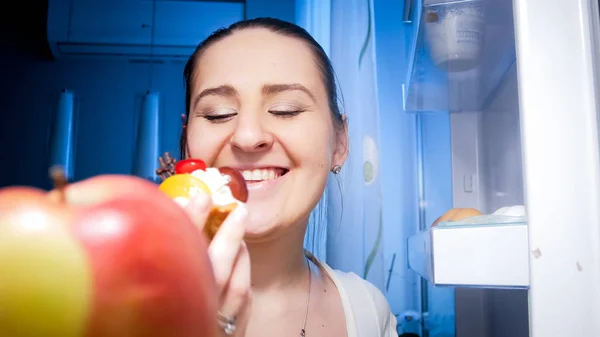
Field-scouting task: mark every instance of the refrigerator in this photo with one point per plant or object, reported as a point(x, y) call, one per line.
point(519, 80)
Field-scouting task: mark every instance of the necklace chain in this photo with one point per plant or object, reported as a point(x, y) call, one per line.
point(308, 259)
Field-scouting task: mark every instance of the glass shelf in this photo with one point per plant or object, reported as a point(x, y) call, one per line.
point(460, 54)
point(480, 252)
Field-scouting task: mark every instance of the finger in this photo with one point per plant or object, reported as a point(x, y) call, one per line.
point(224, 247)
point(198, 208)
point(244, 315)
point(238, 289)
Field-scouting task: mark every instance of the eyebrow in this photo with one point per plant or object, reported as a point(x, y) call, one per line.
point(272, 89)
point(227, 90)
point(222, 90)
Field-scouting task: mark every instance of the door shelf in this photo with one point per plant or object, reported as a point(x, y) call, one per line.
point(480, 252)
point(460, 53)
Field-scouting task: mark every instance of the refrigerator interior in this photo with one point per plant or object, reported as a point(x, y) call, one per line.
point(487, 175)
point(545, 260)
point(463, 63)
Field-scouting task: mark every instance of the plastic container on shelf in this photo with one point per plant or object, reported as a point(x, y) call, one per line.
point(455, 34)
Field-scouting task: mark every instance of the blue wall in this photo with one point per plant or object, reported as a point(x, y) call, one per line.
point(281, 9)
point(108, 95)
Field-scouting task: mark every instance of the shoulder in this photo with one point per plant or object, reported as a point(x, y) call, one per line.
point(360, 290)
point(370, 308)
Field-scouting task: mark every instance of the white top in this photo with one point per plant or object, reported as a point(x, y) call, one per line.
point(367, 311)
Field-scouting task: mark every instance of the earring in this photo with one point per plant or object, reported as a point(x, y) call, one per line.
point(336, 169)
point(183, 121)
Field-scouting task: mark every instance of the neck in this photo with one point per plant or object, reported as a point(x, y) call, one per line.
point(278, 263)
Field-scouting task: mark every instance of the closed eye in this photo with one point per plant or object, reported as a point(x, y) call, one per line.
point(221, 118)
point(286, 113)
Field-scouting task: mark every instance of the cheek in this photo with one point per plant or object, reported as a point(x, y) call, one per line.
point(311, 145)
point(203, 144)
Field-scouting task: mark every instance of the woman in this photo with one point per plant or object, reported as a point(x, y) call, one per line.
point(261, 97)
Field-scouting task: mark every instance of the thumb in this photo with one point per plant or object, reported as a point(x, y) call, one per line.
point(198, 209)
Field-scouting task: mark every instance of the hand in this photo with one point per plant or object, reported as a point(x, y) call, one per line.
point(230, 260)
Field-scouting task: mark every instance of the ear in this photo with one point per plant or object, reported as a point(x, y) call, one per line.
point(340, 151)
point(184, 151)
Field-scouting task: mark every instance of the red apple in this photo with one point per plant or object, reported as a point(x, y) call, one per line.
point(108, 256)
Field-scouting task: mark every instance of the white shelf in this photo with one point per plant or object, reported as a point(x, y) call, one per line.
point(484, 252)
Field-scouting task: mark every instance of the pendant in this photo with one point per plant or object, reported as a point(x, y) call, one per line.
point(302, 333)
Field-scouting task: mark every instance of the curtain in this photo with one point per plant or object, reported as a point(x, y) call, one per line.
point(345, 229)
point(355, 228)
point(314, 16)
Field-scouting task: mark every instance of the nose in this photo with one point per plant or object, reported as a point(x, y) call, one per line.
point(250, 134)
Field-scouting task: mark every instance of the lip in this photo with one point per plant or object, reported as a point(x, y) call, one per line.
point(260, 189)
point(260, 167)
point(279, 170)
point(264, 188)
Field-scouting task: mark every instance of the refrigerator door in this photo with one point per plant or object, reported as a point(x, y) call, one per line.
point(553, 251)
point(557, 51)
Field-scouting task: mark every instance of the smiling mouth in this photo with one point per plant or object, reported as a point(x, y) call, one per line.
point(263, 174)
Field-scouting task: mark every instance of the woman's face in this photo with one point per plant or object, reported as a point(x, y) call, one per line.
point(258, 104)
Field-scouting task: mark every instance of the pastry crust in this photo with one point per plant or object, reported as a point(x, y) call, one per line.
point(217, 216)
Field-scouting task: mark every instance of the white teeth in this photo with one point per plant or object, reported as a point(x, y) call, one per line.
point(257, 175)
point(260, 174)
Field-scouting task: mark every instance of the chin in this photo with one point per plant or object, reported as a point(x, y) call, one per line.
point(260, 227)
point(266, 224)
point(266, 201)
point(274, 207)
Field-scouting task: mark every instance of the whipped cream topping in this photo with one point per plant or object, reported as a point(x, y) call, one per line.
point(182, 201)
point(217, 184)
